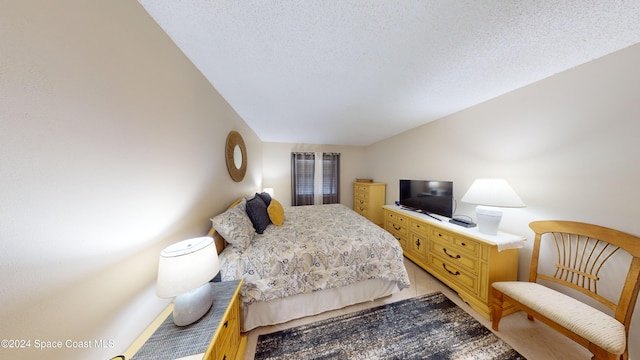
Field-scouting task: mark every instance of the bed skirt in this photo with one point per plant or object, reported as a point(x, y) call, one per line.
point(294, 307)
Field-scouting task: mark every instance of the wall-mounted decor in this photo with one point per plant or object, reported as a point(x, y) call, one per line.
point(236, 156)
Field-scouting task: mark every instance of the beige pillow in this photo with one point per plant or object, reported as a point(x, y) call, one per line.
point(235, 226)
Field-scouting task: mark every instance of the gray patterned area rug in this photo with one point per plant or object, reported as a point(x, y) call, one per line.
point(425, 327)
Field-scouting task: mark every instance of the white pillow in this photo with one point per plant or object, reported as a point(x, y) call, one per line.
point(235, 226)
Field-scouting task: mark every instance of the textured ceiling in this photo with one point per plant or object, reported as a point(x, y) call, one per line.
point(354, 72)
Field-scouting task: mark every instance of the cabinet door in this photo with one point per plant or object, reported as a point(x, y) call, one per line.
point(419, 245)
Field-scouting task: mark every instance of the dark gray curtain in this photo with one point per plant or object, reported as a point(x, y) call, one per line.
point(302, 174)
point(303, 177)
point(330, 178)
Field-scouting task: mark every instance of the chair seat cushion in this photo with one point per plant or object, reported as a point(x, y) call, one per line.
point(588, 322)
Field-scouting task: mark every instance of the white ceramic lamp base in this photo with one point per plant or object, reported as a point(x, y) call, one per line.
point(488, 219)
point(191, 306)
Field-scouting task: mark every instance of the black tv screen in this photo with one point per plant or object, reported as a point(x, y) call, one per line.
point(429, 196)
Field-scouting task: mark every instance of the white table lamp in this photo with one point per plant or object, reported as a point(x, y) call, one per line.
point(184, 271)
point(490, 195)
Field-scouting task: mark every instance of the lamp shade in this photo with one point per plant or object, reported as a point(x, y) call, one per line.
point(186, 265)
point(492, 192)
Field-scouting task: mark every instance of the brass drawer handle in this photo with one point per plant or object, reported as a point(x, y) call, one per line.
point(418, 243)
point(449, 271)
point(449, 255)
point(226, 323)
point(397, 227)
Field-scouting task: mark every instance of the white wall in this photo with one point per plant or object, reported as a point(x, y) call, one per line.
point(567, 144)
point(277, 168)
point(111, 148)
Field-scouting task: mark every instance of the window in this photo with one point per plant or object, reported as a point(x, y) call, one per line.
point(315, 182)
point(302, 175)
point(330, 178)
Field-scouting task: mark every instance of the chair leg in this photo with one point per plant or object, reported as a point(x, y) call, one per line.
point(496, 309)
point(601, 354)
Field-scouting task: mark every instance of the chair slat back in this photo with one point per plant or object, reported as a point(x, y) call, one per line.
point(581, 253)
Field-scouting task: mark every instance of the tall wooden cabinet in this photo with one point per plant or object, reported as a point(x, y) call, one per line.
point(368, 199)
point(464, 259)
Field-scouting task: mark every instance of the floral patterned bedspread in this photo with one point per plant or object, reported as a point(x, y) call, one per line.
point(317, 247)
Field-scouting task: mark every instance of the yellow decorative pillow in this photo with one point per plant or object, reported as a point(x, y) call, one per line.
point(276, 212)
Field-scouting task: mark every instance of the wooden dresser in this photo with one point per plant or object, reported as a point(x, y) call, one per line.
point(368, 199)
point(464, 259)
point(215, 336)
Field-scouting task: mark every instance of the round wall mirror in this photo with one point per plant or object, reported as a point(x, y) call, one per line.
point(236, 156)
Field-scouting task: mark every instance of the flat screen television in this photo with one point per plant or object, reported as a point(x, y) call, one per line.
point(428, 196)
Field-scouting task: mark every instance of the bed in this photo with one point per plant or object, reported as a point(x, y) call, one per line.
point(306, 259)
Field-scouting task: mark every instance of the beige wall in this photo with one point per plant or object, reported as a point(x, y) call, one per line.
point(277, 168)
point(111, 148)
point(567, 144)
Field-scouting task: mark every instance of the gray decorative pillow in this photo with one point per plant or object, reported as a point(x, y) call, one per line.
point(265, 197)
point(257, 211)
point(235, 226)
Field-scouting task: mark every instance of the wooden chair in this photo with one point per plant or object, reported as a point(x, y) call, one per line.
point(582, 250)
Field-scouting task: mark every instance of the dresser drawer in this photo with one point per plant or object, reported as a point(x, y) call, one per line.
point(361, 192)
point(224, 350)
point(227, 340)
point(419, 227)
point(401, 239)
point(360, 206)
point(450, 253)
point(397, 218)
point(458, 275)
point(361, 188)
point(399, 233)
point(458, 243)
point(396, 225)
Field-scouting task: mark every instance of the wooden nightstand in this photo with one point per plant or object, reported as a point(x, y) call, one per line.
point(215, 336)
